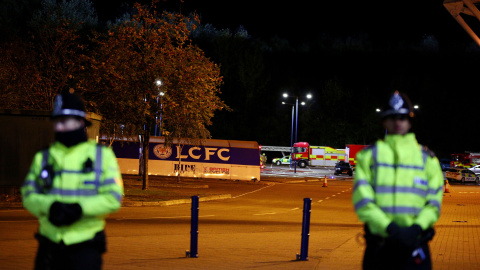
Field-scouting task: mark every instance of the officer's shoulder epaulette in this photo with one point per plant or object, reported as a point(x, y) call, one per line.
point(428, 151)
point(102, 145)
point(370, 147)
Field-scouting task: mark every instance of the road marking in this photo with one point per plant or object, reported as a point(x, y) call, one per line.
point(327, 198)
point(296, 208)
point(320, 200)
point(164, 217)
point(252, 191)
point(262, 214)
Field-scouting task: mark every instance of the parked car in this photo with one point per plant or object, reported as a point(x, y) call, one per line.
point(475, 169)
point(282, 160)
point(445, 164)
point(461, 175)
point(343, 167)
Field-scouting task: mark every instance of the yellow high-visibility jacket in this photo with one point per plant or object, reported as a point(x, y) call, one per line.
point(397, 180)
point(87, 174)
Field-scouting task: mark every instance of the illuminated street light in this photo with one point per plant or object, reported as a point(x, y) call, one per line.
point(160, 94)
point(292, 153)
point(291, 130)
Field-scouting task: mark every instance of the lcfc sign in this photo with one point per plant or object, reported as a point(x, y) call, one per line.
point(192, 153)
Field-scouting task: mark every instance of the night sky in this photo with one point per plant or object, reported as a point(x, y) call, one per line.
point(301, 20)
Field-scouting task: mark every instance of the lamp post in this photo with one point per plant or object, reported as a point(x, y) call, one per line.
point(158, 82)
point(291, 133)
point(292, 155)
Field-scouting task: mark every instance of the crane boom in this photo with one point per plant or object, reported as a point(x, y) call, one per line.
point(467, 7)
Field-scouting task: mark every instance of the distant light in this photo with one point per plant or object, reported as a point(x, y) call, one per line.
point(309, 96)
point(162, 93)
point(158, 82)
point(285, 95)
point(283, 102)
point(416, 107)
point(302, 103)
point(378, 110)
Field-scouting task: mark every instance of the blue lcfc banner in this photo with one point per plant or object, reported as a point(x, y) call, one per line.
point(190, 153)
point(127, 150)
point(205, 154)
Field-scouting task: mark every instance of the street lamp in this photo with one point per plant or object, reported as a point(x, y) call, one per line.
point(285, 95)
point(291, 133)
point(160, 94)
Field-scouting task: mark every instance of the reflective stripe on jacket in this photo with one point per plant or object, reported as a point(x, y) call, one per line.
point(396, 180)
point(87, 174)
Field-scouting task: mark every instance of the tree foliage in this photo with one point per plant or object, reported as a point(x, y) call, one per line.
point(131, 57)
point(126, 63)
point(34, 70)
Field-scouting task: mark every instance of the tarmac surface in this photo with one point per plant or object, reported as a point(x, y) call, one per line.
point(456, 244)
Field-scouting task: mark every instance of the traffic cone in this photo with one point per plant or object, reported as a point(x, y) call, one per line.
point(447, 187)
point(325, 184)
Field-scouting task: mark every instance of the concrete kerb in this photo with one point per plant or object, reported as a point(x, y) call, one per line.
point(127, 203)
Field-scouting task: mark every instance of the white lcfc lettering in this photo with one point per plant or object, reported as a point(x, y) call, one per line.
point(209, 151)
point(190, 152)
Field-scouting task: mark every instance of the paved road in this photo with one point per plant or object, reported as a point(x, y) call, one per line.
point(258, 229)
point(308, 172)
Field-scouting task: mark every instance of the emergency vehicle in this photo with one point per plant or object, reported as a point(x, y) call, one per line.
point(461, 175)
point(282, 160)
point(351, 151)
point(464, 160)
point(306, 154)
point(324, 155)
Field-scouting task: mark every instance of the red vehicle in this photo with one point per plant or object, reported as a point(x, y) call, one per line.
point(465, 160)
point(324, 155)
point(306, 154)
point(351, 151)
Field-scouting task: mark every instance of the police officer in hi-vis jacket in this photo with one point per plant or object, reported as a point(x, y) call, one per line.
point(71, 187)
point(398, 191)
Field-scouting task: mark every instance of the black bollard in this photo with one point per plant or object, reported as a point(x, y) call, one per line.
point(307, 204)
point(193, 253)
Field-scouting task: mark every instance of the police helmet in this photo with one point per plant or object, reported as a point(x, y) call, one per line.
point(398, 104)
point(69, 104)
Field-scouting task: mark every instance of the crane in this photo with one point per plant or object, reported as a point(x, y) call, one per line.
point(466, 7)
